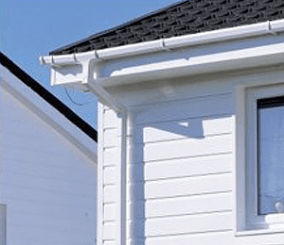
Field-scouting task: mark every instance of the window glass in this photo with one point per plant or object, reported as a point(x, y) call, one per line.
point(270, 155)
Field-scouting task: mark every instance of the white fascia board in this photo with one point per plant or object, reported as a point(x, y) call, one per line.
point(48, 113)
point(218, 62)
point(89, 67)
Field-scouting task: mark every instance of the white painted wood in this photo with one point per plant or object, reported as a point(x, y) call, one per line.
point(173, 130)
point(182, 129)
point(167, 91)
point(187, 148)
point(188, 224)
point(221, 237)
point(110, 175)
point(47, 181)
point(192, 166)
point(109, 193)
point(176, 187)
point(110, 119)
point(174, 168)
point(24, 95)
point(196, 107)
point(188, 186)
point(184, 161)
point(179, 206)
point(110, 156)
point(109, 231)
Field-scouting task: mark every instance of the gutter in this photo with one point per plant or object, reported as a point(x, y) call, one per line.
point(253, 30)
point(83, 70)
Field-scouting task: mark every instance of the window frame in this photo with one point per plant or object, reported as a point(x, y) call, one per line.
point(247, 219)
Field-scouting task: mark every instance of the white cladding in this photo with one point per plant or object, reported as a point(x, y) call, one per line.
point(47, 183)
point(180, 179)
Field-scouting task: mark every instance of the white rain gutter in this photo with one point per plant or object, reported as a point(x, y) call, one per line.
point(253, 30)
point(195, 65)
point(94, 57)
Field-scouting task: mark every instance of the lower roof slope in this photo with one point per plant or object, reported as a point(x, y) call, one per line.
point(186, 17)
point(47, 96)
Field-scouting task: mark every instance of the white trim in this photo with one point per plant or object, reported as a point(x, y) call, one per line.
point(121, 181)
point(264, 28)
point(100, 175)
point(48, 113)
point(106, 98)
point(247, 221)
point(120, 70)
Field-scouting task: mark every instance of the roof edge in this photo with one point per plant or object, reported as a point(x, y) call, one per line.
point(133, 21)
point(48, 97)
point(168, 44)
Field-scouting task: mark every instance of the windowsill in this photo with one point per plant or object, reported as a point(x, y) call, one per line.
point(279, 229)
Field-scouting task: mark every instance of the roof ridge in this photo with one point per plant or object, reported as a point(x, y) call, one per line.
point(48, 97)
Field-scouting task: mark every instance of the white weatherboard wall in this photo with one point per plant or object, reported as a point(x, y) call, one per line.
point(47, 184)
point(180, 179)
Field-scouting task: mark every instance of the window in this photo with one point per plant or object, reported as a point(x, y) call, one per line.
point(260, 159)
point(270, 154)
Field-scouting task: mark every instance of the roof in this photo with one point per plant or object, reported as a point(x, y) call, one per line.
point(48, 97)
point(186, 17)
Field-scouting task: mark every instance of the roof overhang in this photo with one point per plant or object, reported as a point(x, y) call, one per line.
point(234, 48)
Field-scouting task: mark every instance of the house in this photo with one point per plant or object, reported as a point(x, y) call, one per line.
point(47, 166)
point(190, 123)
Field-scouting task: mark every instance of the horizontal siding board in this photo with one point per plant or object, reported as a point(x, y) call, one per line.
point(183, 129)
point(110, 156)
point(197, 107)
point(47, 222)
point(46, 185)
point(184, 224)
point(188, 205)
point(173, 206)
point(220, 238)
point(39, 234)
point(52, 210)
point(173, 130)
point(176, 168)
point(175, 187)
point(188, 186)
point(110, 119)
point(109, 230)
point(50, 171)
point(12, 193)
point(110, 193)
point(110, 211)
point(110, 137)
point(186, 148)
point(110, 175)
point(110, 243)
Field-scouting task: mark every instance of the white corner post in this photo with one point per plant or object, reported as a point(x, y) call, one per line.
point(122, 115)
point(3, 214)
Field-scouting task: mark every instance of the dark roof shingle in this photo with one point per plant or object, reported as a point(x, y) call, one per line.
point(186, 17)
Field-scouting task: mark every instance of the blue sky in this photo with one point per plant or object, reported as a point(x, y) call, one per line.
point(30, 28)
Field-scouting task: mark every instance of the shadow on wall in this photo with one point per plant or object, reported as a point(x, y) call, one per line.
point(164, 142)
